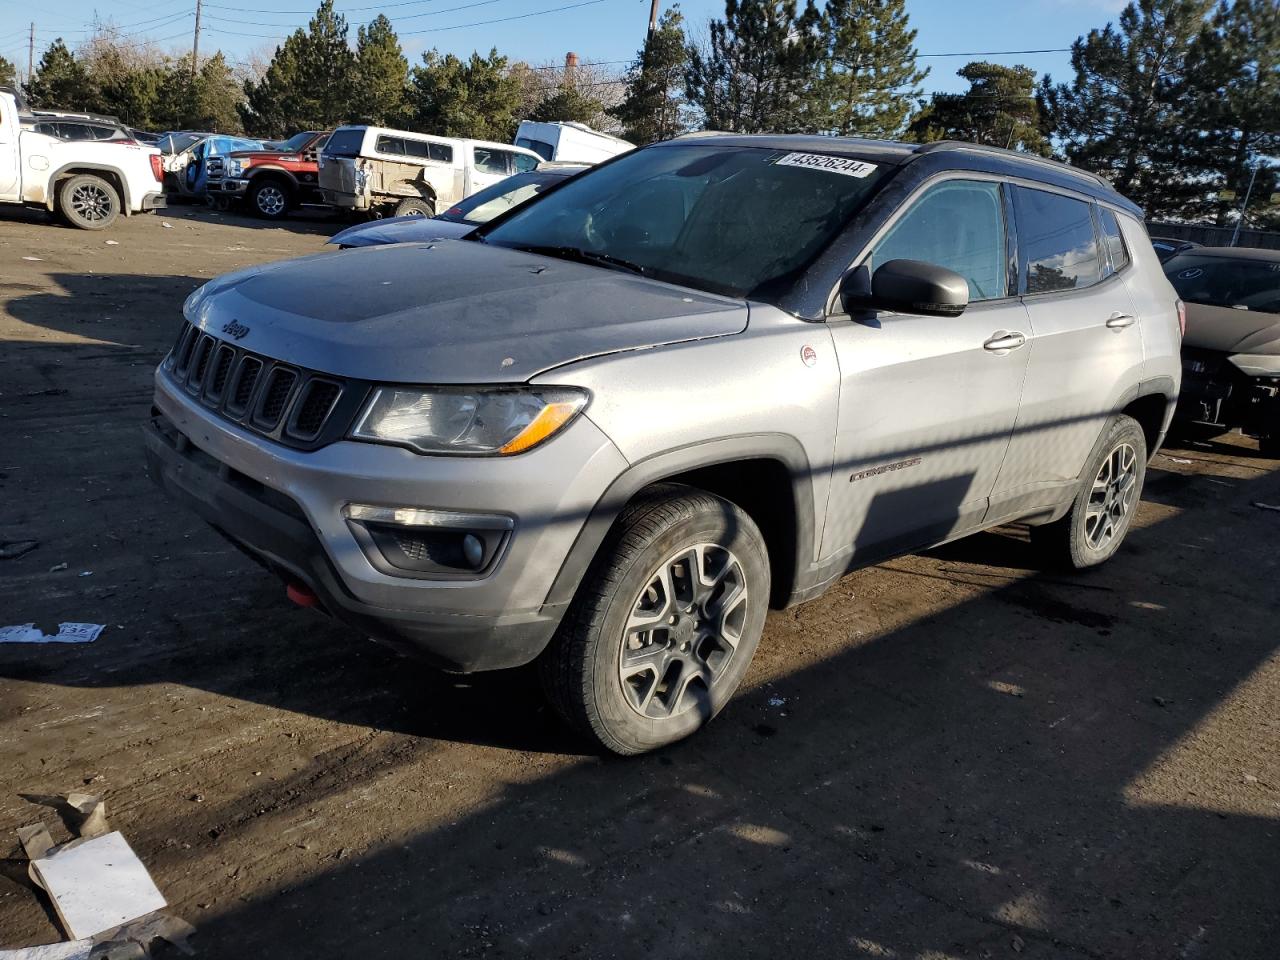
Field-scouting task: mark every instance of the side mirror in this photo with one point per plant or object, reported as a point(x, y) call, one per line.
point(907, 286)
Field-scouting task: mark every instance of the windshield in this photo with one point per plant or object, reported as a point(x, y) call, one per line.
point(502, 196)
point(176, 142)
point(741, 221)
point(297, 141)
point(1242, 284)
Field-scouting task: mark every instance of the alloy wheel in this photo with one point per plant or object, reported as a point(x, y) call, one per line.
point(91, 202)
point(1112, 497)
point(270, 200)
point(683, 631)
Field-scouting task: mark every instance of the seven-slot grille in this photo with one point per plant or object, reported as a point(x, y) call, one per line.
point(296, 406)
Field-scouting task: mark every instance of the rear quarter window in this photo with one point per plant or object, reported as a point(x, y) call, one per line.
point(1114, 239)
point(1057, 245)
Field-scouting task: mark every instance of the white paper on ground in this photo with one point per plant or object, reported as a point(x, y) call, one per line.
point(76, 950)
point(67, 633)
point(97, 885)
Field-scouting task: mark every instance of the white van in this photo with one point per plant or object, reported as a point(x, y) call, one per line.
point(569, 142)
point(403, 173)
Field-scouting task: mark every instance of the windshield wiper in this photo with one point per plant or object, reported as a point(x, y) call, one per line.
point(585, 256)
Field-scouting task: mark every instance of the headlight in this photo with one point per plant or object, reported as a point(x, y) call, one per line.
point(477, 421)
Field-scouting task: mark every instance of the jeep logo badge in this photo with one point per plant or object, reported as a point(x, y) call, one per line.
point(235, 329)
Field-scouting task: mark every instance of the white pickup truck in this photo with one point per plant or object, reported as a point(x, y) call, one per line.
point(85, 182)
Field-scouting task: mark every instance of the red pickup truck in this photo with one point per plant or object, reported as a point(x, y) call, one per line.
point(272, 182)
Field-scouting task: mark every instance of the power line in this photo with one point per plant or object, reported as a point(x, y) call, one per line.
point(411, 16)
point(996, 53)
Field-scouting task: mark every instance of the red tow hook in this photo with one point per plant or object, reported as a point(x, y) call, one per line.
point(303, 596)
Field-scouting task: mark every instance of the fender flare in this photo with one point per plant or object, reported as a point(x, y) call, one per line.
point(257, 171)
point(761, 446)
point(50, 194)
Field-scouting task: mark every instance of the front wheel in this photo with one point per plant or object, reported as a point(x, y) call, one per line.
point(88, 202)
point(415, 207)
point(1103, 509)
point(664, 624)
point(269, 199)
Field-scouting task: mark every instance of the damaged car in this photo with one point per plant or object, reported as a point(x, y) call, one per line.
point(1231, 351)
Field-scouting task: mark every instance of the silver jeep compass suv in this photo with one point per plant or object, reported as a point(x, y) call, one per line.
point(611, 428)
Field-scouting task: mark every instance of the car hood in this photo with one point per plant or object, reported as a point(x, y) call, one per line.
point(450, 312)
point(264, 154)
point(1227, 330)
point(400, 230)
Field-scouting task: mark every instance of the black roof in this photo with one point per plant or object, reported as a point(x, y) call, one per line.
point(943, 154)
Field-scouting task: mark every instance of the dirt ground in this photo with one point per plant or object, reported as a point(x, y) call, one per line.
point(949, 755)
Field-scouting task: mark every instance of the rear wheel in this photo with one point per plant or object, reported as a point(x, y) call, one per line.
point(88, 202)
point(415, 207)
point(1103, 509)
point(665, 623)
point(269, 198)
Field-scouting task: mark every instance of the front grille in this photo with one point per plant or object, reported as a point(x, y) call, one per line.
point(215, 167)
point(287, 403)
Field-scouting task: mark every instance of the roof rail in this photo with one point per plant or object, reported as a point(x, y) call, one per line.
point(74, 115)
point(940, 146)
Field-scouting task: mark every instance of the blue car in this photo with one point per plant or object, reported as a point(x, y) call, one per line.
point(460, 219)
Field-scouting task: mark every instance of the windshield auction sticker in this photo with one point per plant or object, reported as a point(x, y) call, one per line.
point(845, 166)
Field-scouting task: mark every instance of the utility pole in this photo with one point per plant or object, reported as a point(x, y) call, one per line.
point(1235, 236)
point(653, 16)
point(195, 43)
point(31, 53)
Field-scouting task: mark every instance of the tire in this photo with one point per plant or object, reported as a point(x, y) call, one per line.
point(1093, 529)
point(270, 199)
point(583, 670)
point(88, 202)
point(415, 207)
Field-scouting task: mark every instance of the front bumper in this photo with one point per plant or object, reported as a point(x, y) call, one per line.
point(1215, 391)
point(284, 507)
point(231, 186)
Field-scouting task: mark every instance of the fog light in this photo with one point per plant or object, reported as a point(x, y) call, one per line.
point(473, 550)
point(426, 542)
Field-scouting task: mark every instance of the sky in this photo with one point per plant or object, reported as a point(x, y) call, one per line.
point(601, 31)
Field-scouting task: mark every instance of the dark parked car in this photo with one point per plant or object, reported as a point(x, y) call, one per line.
point(1231, 350)
point(1167, 248)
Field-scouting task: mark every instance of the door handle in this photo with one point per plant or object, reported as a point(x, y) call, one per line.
point(1001, 341)
point(1119, 321)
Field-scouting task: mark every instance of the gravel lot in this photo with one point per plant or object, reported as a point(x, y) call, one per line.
point(949, 755)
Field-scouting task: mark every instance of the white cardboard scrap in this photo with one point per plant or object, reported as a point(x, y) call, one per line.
point(67, 633)
point(75, 950)
point(97, 885)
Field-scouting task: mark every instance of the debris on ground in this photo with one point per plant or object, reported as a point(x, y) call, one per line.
point(1176, 459)
point(34, 259)
point(67, 633)
point(1267, 506)
point(100, 890)
point(12, 549)
point(58, 566)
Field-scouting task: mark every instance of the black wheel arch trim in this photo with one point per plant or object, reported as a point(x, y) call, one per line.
point(256, 172)
point(74, 168)
point(672, 463)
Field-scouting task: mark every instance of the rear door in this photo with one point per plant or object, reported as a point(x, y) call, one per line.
point(489, 166)
point(927, 403)
point(1085, 356)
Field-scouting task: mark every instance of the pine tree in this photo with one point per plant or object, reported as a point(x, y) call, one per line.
point(757, 68)
point(652, 108)
point(477, 98)
point(8, 73)
point(1234, 69)
point(569, 104)
point(217, 96)
point(999, 109)
point(869, 77)
point(1123, 115)
point(61, 82)
point(381, 75)
point(309, 83)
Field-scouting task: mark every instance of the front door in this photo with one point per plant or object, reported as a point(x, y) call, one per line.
point(927, 404)
point(9, 156)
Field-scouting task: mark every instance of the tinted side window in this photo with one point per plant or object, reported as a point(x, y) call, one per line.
point(491, 161)
point(1058, 249)
point(543, 149)
point(345, 143)
point(959, 225)
point(1114, 239)
point(391, 145)
point(440, 152)
point(523, 163)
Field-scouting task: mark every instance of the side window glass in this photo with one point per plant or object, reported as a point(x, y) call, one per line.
point(523, 163)
point(1114, 239)
point(1058, 249)
point(417, 148)
point(959, 225)
point(490, 161)
point(440, 152)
